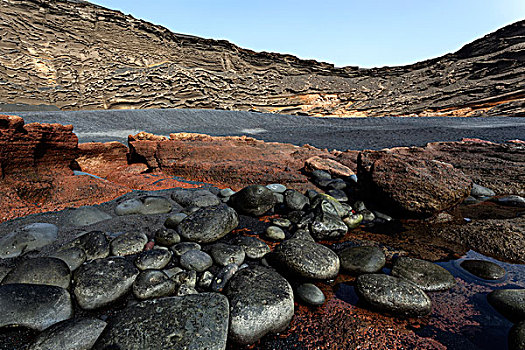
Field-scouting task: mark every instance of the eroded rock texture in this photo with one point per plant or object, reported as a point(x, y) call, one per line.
point(76, 55)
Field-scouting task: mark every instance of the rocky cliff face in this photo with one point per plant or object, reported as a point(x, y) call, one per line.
point(76, 55)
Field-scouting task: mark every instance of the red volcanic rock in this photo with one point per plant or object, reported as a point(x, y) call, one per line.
point(329, 165)
point(226, 161)
point(408, 184)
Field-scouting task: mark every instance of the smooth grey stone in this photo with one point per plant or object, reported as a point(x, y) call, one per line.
point(326, 204)
point(321, 175)
point(353, 178)
point(128, 207)
point(339, 195)
point(195, 197)
point(186, 290)
point(167, 237)
point(382, 216)
point(261, 303)
point(223, 276)
point(359, 260)
point(27, 238)
point(509, 302)
point(253, 247)
point(224, 254)
point(226, 192)
point(393, 295)
point(328, 226)
point(191, 210)
point(196, 260)
point(174, 219)
point(253, 200)
point(359, 206)
point(128, 243)
point(517, 337)
point(183, 247)
point(295, 200)
point(481, 191)
point(303, 234)
point(186, 278)
point(307, 259)
point(279, 198)
point(277, 188)
point(209, 224)
point(311, 194)
point(190, 322)
point(275, 233)
point(225, 199)
point(35, 306)
point(85, 216)
point(426, 275)
point(73, 334)
point(153, 259)
point(368, 216)
point(323, 183)
point(152, 284)
point(310, 294)
point(484, 269)
point(173, 271)
point(102, 281)
point(282, 222)
point(94, 243)
point(353, 220)
point(42, 270)
point(73, 257)
point(513, 201)
point(155, 205)
point(205, 279)
point(337, 184)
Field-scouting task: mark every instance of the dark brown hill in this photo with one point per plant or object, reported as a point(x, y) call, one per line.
point(76, 55)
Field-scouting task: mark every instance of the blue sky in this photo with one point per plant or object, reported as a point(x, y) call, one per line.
point(367, 33)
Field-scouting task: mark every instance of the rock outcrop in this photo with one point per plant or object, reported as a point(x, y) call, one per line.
point(75, 55)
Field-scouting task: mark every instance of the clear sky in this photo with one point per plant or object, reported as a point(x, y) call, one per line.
point(367, 33)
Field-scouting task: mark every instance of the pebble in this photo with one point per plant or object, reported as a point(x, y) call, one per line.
point(321, 175)
point(359, 205)
point(326, 204)
point(27, 238)
point(426, 275)
point(153, 259)
point(253, 200)
point(201, 322)
point(196, 260)
point(227, 192)
point(471, 200)
point(186, 290)
point(155, 205)
point(328, 226)
point(282, 222)
point(166, 237)
point(183, 247)
point(275, 233)
point(102, 281)
point(174, 219)
point(337, 184)
point(353, 220)
point(34, 306)
point(512, 201)
point(368, 216)
point(153, 284)
point(279, 198)
point(128, 207)
point(484, 269)
point(186, 278)
point(295, 200)
point(195, 197)
point(303, 234)
point(359, 260)
point(94, 244)
point(85, 216)
point(173, 271)
point(480, 191)
point(65, 335)
point(128, 243)
point(261, 302)
point(73, 257)
point(382, 216)
point(307, 259)
point(205, 279)
point(209, 224)
point(393, 295)
point(224, 254)
point(517, 337)
point(42, 270)
point(223, 276)
point(310, 294)
point(277, 188)
point(339, 195)
point(253, 247)
point(509, 302)
point(311, 194)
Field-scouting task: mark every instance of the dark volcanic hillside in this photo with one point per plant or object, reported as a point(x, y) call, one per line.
point(75, 55)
